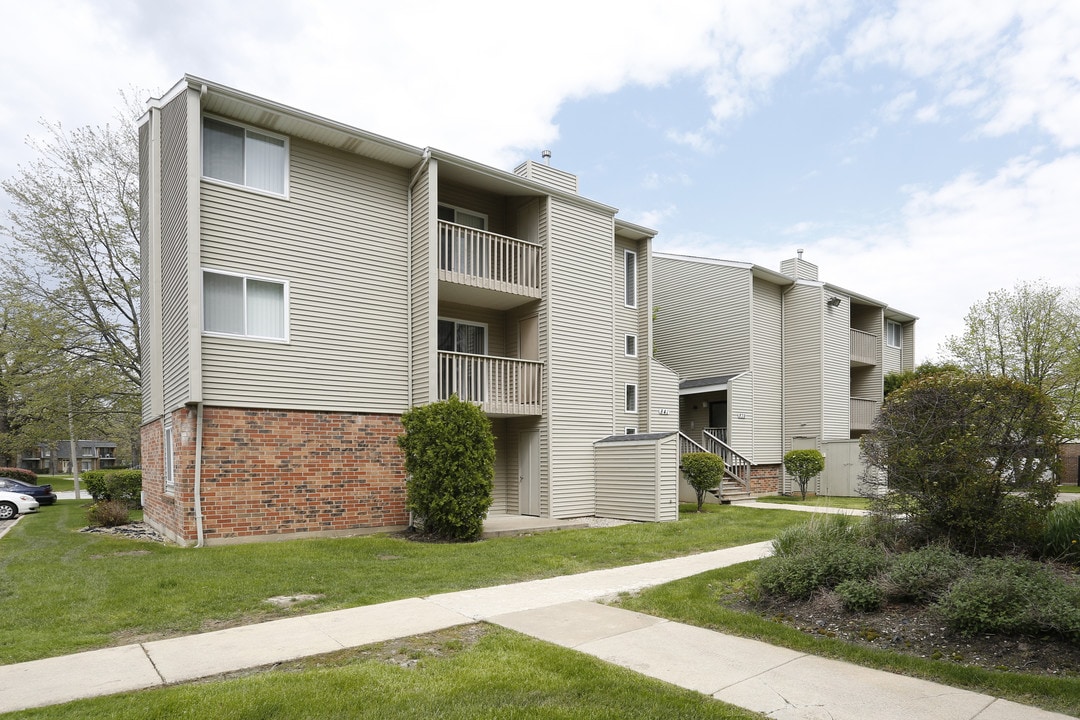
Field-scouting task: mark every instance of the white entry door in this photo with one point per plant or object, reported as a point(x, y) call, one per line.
point(529, 472)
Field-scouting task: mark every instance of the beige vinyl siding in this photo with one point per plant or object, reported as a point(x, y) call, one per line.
point(892, 358)
point(837, 375)
point(766, 354)
point(544, 315)
point(340, 240)
point(703, 317)
point(908, 361)
point(741, 430)
point(627, 321)
point(664, 398)
point(424, 290)
point(579, 293)
point(868, 382)
point(637, 480)
point(505, 466)
point(177, 264)
point(149, 271)
point(803, 372)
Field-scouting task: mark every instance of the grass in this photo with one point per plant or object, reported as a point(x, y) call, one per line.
point(100, 590)
point(857, 503)
point(1068, 488)
point(695, 601)
point(60, 482)
point(501, 674)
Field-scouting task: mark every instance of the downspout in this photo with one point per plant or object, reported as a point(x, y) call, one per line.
point(424, 162)
point(201, 541)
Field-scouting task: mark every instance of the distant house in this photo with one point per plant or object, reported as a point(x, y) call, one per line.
point(770, 361)
point(306, 282)
point(53, 459)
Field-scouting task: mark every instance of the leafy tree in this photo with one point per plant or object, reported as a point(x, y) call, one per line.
point(74, 226)
point(967, 459)
point(704, 471)
point(805, 465)
point(1030, 333)
point(450, 460)
point(894, 381)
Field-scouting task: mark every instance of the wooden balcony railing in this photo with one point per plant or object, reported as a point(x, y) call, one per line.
point(863, 413)
point(501, 386)
point(864, 347)
point(483, 259)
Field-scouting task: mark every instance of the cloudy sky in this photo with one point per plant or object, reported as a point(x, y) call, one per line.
point(921, 153)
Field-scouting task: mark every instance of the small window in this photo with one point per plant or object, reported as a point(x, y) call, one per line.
point(458, 216)
point(167, 451)
point(243, 156)
point(630, 348)
point(895, 333)
point(631, 398)
point(630, 431)
point(243, 305)
point(630, 278)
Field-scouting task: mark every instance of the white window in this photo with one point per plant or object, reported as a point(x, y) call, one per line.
point(465, 372)
point(167, 451)
point(894, 334)
point(242, 305)
point(631, 398)
point(630, 431)
point(630, 347)
point(630, 278)
point(244, 156)
point(462, 217)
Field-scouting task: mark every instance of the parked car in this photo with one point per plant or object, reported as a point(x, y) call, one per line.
point(12, 504)
point(42, 493)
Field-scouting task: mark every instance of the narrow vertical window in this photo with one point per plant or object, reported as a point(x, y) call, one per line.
point(630, 277)
point(167, 453)
point(631, 398)
point(630, 348)
point(894, 333)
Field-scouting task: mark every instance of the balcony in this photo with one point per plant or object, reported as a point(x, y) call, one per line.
point(500, 386)
point(500, 271)
point(864, 348)
point(863, 413)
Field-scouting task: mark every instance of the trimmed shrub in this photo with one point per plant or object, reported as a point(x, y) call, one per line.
point(805, 465)
point(450, 461)
point(1012, 597)
point(108, 513)
point(860, 595)
point(122, 485)
point(704, 471)
point(19, 474)
point(1061, 537)
point(922, 575)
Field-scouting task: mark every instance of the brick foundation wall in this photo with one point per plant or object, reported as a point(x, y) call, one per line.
point(1070, 459)
point(269, 473)
point(765, 479)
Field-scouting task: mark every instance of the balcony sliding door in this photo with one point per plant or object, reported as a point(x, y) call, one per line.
point(463, 372)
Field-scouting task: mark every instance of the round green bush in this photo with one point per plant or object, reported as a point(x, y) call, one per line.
point(860, 595)
point(19, 474)
point(922, 575)
point(818, 556)
point(450, 461)
point(122, 485)
point(704, 471)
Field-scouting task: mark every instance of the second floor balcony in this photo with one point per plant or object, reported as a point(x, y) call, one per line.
point(499, 385)
point(863, 412)
point(487, 261)
point(864, 348)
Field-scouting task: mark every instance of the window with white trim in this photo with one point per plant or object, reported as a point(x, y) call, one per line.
point(240, 155)
point(244, 305)
point(630, 278)
point(630, 431)
point(894, 334)
point(631, 398)
point(167, 452)
point(630, 346)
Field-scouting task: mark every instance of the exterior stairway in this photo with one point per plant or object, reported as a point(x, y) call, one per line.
point(736, 484)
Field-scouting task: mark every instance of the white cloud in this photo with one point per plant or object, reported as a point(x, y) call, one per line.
point(1013, 64)
point(651, 218)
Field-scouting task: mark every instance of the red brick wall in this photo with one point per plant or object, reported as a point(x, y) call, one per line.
point(765, 479)
point(276, 472)
point(1070, 455)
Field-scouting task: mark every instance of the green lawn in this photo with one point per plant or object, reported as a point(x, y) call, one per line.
point(694, 601)
point(499, 675)
point(59, 482)
point(1068, 489)
point(99, 590)
point(857, 503)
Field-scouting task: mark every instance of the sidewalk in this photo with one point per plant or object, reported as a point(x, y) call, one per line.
point(782, 683)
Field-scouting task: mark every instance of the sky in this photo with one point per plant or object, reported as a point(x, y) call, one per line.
point(921, 153)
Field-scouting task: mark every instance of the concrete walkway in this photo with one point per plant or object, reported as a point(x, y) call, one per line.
point(781, 683)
